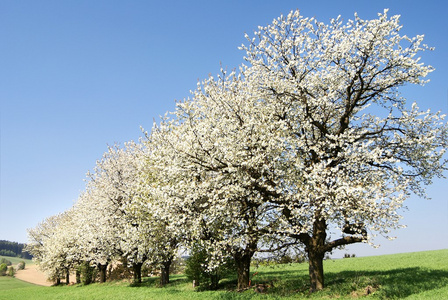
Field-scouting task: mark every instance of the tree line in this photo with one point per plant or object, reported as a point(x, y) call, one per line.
point(308, 145)
point(14, 249)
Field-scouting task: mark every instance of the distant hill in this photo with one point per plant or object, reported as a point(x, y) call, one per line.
point(13, 249)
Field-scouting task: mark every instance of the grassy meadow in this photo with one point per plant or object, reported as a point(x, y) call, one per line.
point(10, 283)
point(16, 260)
point(419, 275)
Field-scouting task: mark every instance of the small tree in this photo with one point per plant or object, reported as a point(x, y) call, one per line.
point(88, 273)
point(21, 265)
point(5, 261)
point(11, 271)
point(3, 269)
point(194, 266)
point(197, 269)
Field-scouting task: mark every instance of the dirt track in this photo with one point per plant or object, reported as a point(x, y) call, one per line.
point(33, 275)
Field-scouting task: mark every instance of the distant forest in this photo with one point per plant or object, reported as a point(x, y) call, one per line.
point(13, 249)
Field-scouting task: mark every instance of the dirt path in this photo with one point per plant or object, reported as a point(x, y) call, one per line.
point(33, 275)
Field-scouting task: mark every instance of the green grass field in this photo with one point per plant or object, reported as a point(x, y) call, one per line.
point(16, 260)
point(420, 275)
point(9, 283)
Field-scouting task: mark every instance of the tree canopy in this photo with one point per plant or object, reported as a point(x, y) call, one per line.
point(310, 135)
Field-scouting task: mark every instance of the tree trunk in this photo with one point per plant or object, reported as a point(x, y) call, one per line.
point(316, 253)
point(58, 281)
point(242, 262)
point(316, 270)
point(102, 269)
point(165, 272)
point(137, 268)
point(67, 277)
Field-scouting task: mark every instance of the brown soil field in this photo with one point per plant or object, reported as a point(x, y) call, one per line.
point(33, 275)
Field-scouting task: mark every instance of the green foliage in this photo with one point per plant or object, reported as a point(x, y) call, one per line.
point(3, 269)
point(7, 253)
point(13, 249)
point(196, 269)
point(88, 273)
point(21, 265)
point(11, 271)
point(5, 261)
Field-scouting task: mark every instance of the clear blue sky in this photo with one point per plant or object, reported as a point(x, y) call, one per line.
point(76, 76)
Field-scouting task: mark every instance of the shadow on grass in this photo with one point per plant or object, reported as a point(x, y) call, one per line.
point(155, 282)
point(396, 283)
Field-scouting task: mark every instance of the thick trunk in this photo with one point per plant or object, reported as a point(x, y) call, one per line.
point(67, 277)
point(58, 281)
point(137, 268)
point(242, 262)
point(316, 253)
point(102, 270)
point(165, 272)
point(316, 270)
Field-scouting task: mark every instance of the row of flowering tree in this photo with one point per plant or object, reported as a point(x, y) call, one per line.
point(111, 221)
point(309, 136)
